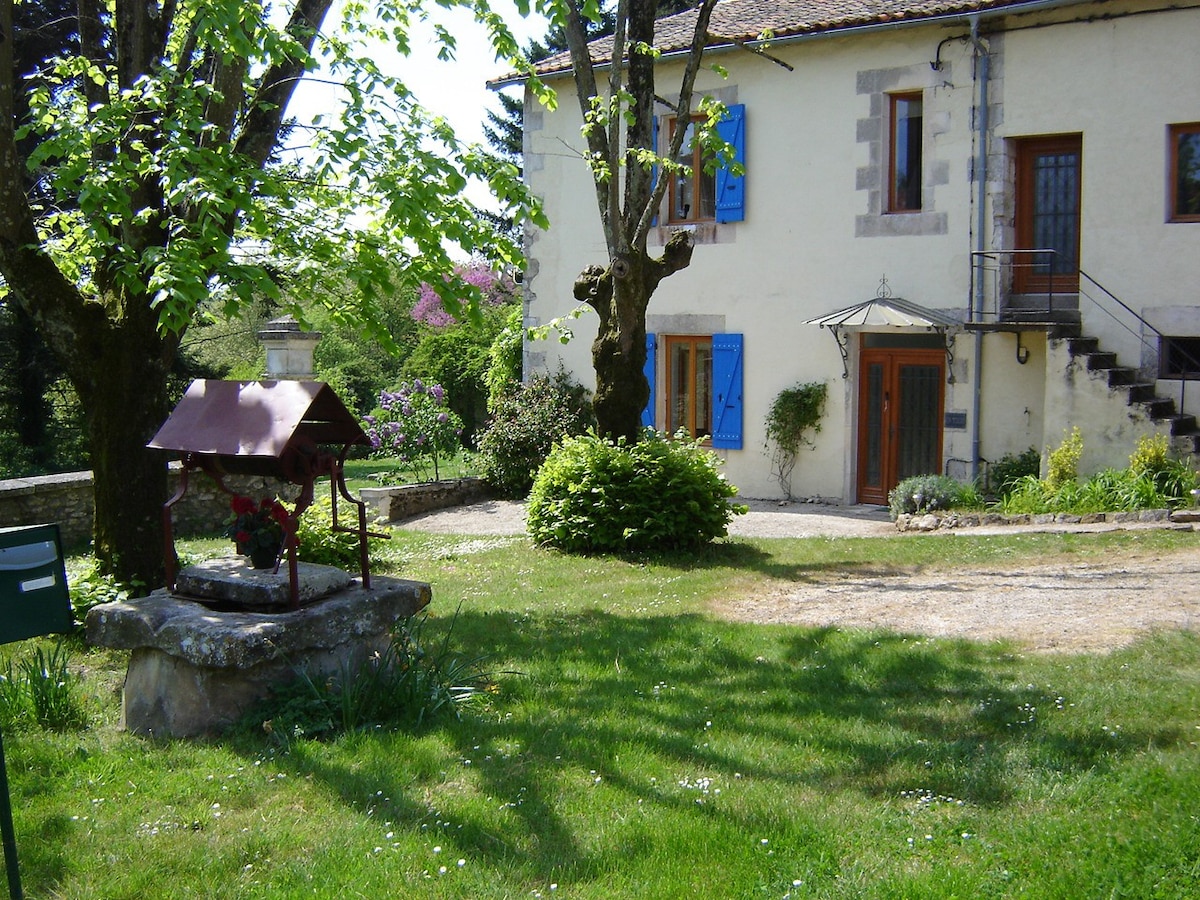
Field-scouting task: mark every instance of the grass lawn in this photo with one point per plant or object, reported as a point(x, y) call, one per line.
point(358, 472)
point(636, 746)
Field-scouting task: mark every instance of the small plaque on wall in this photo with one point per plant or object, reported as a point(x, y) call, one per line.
point(956, 420)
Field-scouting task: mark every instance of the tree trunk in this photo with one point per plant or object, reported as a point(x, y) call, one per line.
point(130, 483)
point(619, 358)
point(125, 395)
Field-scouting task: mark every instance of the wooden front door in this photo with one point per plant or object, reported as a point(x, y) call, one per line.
point(899, 418)
point(1048, 199)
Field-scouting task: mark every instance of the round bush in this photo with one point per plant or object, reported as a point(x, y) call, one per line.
point(658, 494)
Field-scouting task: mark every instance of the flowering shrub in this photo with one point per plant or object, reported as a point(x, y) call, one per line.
point(496, 288)
point(415, 424)
point(256, 524)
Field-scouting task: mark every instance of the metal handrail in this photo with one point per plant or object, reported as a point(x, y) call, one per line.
point(997, 256)
point(1191, 361)
point(1004, 259)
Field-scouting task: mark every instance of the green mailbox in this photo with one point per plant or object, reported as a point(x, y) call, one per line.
point(33, 583)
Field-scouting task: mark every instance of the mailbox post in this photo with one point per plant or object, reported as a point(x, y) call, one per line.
point(33, 601)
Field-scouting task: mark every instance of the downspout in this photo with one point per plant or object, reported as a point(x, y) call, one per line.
point(982, 74)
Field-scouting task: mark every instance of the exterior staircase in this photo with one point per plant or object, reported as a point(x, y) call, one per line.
point(1183, 428)
point(1061, 319)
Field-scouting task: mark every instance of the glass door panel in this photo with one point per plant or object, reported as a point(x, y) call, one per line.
point(1048, 211)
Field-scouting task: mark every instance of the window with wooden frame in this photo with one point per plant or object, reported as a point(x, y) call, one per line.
point(904, 152)
point(693, 191)
point(689, 384)
point(702, 377)
point(1184, 173)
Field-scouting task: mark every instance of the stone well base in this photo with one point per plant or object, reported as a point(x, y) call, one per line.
point(193, 670)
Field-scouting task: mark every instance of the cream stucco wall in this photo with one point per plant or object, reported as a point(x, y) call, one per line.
point(814, 240)
point(1120, 82)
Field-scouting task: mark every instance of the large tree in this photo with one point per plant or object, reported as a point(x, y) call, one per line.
point(165, 180)
point(619, 129)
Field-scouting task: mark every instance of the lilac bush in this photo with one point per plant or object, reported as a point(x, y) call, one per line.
point(414, 424)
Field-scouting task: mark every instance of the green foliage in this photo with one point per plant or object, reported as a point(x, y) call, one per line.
point(1062, 463)
point(1174, 479)
point(795, 411)
point(527, 421)
point(407, 684)
point(1153, 481)
point(1004, 473)
point(505, 357)
point(931, 493)
point(89, 587)
point(593, 495)
point(321, 545)
point(41, 690)
point(457, 357)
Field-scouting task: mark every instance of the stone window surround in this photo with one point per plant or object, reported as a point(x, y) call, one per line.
point(877, 85)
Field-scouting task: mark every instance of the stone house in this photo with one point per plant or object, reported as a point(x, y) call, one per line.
point(978, 223)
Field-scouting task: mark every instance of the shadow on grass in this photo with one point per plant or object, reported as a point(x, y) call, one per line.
point(641, 705)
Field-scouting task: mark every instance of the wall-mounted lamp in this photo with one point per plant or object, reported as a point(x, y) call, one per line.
point(1022, 352)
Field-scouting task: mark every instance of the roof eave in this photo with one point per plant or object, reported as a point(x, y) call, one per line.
point(803, 37)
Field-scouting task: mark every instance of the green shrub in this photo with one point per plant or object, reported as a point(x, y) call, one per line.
point(1174, 479)
point(321, 545)
point(505, 357)
point(1062, 463)
point(1152, 481)
point(657, 494)
point(1008, 469)
point(414, 424)
point(929, 493)
point(526, 423)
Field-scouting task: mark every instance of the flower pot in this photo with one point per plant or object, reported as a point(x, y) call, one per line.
point(264, 557)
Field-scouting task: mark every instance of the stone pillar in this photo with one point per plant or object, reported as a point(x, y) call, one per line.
point(289, 350)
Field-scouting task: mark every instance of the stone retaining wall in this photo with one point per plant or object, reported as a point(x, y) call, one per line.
point(935, 521)
point(67, 500)
point(391, 504)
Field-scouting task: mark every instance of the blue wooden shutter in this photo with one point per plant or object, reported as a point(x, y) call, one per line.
point(731, 189)
point(727, 391)
point(650, 371)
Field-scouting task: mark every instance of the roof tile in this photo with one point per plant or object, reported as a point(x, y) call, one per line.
point(748, 20)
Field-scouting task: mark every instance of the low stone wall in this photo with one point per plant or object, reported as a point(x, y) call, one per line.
point(67, 500)
point(936, 521)
point(391, 504)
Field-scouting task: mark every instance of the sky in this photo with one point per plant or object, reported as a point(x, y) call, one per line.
point(456, 90)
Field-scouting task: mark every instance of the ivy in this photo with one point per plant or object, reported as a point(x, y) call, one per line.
point(795, 412)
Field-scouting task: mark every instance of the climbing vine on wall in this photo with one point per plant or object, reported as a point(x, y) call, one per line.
point(795, 414)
